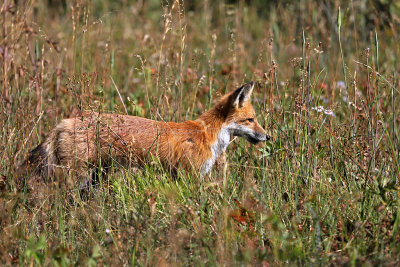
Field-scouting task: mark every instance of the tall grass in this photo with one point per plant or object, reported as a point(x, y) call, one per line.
point(325, 190)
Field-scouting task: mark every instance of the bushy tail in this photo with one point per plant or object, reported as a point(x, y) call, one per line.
point(37, 159)
point(40, 161)
point(31, 166)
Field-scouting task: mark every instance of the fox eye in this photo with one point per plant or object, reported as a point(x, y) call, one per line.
point(250, 120)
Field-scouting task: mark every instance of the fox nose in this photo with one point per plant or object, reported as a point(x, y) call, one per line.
point(267, 137)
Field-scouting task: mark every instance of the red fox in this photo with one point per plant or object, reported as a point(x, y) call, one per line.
point(81, 144)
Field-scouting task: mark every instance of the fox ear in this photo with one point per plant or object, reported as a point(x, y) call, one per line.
point(242, 94)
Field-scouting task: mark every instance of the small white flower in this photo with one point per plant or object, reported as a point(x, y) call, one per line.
point(329, 112)
point(108, 231)
point(321, 109)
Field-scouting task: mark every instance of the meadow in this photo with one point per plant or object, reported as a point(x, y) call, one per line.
point(324, 190)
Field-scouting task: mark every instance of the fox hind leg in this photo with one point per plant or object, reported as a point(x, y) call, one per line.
point(92, 180)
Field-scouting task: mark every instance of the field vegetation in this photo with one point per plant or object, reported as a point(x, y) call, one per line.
point(324, 190)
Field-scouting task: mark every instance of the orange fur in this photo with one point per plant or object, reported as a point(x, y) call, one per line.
point(78, 143)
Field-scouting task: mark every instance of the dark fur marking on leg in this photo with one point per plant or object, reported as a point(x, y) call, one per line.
point(92, 181)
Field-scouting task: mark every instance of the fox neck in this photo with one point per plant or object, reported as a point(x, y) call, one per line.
point(219, 133)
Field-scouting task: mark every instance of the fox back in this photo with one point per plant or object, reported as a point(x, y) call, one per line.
point(79, 144)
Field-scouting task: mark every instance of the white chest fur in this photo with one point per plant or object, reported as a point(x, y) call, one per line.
point(217, 148)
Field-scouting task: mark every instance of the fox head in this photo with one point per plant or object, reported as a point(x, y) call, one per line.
point(241, 118)
point(238, 115)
